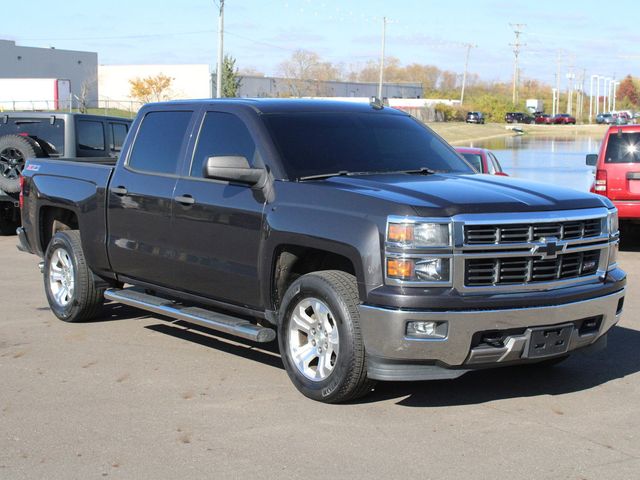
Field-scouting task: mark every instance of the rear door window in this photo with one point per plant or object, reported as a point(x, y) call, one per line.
point(159, 142)
point(90, 135)
point(118, 134)
point(623, 148)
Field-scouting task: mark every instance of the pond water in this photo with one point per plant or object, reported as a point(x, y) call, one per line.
point(560, 161)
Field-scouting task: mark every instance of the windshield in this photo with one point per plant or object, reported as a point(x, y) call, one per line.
point(623, 148)
point(322, 143)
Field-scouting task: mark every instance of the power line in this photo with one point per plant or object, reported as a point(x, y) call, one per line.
point(517, 30)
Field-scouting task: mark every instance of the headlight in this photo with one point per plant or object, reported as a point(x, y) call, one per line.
point(421, 269)
point(417, 234)
point(613, 223)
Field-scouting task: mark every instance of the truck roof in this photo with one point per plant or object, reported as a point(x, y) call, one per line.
point(284, 105)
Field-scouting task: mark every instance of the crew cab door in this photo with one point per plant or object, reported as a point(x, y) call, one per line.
point(216, 224)
point(621, 161)
point(140, 198)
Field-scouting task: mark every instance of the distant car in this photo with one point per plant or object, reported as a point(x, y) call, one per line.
point(518, 117)
point(483, 160)
point(543, 119)
point(605, 119)
point(564, 119)
point(475, 117)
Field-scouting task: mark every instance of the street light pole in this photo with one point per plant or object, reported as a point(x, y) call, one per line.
point(220, 49)
point(384, 34)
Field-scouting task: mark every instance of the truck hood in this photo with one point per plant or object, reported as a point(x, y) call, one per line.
point(449, 194)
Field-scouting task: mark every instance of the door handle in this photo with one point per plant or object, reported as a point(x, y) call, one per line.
point(185, 199)
point(120, 191)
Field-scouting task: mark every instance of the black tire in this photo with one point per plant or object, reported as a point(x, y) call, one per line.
point(9, 219)
point(85, 299)
point(348, 378)
point(14, 151)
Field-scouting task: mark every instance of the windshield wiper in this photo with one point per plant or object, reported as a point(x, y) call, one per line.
point(324, 175)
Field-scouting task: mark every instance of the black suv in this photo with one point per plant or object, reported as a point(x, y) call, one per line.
point(475, 117)
point(518, 117)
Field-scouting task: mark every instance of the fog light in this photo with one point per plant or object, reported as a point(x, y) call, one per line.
point(417, 329)
point(613, 255)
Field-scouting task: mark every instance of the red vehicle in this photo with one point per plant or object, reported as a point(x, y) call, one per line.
point(564, 119)
point(483, 160)
point(618, 169)
point(544, 119)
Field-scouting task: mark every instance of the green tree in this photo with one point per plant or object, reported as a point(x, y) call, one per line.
point(230, 80)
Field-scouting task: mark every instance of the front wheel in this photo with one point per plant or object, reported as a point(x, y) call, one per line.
point(70, 286)
point(320, 339)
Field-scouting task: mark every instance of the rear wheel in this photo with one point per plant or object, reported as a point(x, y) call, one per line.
point(68, 282)
point(320, 340)
point(14, 151)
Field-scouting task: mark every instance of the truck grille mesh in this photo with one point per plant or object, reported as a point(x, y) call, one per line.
point(523, 233)
point(523, 270)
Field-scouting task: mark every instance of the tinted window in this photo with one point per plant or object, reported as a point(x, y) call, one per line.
point(222, 134)
point(320, 143)
point(90, 135)
point(118, 134)
point(623, 148)
point(475, 160)
point(159, 141)
point(40, 128)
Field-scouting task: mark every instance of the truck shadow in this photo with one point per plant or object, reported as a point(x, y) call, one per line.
point(580, 372)
point(265, 353)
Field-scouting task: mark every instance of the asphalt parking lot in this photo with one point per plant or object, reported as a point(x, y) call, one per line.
point(134, 396)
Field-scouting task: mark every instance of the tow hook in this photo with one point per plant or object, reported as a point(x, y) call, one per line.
point(41, 267)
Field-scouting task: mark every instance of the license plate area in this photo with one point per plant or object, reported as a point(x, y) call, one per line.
point(549, 341)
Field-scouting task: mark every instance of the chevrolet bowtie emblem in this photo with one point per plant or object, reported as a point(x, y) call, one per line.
point(549, 250)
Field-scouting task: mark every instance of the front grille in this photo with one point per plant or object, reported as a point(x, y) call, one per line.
point(523, 233)
point(523, 270)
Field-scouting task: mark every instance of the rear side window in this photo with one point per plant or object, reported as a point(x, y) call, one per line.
point(623, 148)
point(222, 134)
point(118, 134)
point(50, 132)
point(90, 135)
point(159, 141)
point(474, 159)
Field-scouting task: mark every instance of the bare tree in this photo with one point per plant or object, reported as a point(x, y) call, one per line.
point(304, 71)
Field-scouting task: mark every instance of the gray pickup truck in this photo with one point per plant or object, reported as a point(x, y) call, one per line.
point(351, 232)
point(51, 135)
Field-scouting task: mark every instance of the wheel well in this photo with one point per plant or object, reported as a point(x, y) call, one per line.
point(54, 220)
point(293, 262)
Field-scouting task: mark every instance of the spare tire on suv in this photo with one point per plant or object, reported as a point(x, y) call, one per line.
point(14, 151)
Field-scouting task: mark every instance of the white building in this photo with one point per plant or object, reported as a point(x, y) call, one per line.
point(80, 68)
point(188, 81)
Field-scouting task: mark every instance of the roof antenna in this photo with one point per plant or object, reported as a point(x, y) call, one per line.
point(376, 103)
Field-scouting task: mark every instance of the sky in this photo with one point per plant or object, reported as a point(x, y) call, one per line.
point(593, 36)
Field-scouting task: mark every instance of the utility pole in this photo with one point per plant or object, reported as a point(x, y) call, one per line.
point(615, 88)
point(220, 48)
point(466, 66)
point(556, 104)
point(384, 35)
point(517, 30)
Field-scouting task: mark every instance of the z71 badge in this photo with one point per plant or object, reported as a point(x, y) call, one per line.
point(32, 167)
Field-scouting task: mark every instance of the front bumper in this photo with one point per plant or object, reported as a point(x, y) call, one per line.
point(394, 356)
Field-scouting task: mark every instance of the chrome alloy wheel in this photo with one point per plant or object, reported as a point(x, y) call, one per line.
point(61, 277)
point(313, 339)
